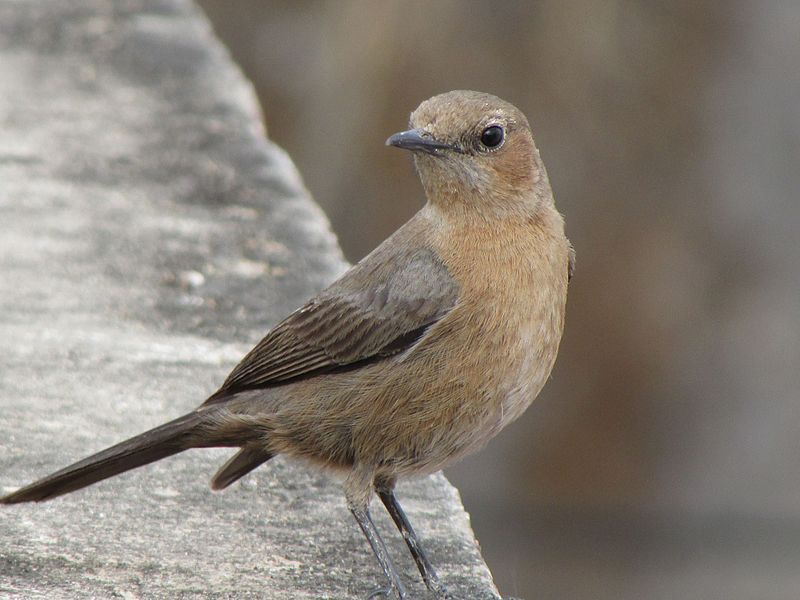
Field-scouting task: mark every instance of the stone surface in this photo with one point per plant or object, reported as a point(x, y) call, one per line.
point(150, 235)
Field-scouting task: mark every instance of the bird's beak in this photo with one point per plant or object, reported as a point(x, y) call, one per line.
point(417, 139)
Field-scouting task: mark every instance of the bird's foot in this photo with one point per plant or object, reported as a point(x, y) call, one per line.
point(439, 590)
point(386, 592)
point(436, 587)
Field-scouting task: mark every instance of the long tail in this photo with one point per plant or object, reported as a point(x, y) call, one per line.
point(150, 446)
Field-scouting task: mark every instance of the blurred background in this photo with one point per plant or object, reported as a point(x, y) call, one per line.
point(662, 459)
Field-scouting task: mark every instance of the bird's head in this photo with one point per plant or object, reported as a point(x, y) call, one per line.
point(475, 151)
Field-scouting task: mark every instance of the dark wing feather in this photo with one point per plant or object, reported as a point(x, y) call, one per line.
point(378, 308)
point(571, 263)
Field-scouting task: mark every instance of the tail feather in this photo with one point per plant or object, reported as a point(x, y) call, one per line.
point(150, 446)
point(239, 465)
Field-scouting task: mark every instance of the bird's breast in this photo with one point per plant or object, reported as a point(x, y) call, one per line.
point(506, 328)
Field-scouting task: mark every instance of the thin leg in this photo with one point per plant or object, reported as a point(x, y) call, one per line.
point(429, 576)
point(379, 548)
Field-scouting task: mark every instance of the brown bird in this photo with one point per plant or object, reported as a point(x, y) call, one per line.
point(416, 356)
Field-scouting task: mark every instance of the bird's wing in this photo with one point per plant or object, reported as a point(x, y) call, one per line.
point(378, 308)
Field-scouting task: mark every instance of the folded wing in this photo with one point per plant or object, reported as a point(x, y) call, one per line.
point(377, 309)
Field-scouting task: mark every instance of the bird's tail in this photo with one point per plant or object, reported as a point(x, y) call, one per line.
point(150, 446)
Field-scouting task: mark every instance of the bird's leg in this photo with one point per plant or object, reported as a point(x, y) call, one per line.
point(379, 548)
point(385, 490)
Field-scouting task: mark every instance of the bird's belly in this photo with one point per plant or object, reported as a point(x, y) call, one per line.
point(475, 394)
point(417, 412)
point(528, 371)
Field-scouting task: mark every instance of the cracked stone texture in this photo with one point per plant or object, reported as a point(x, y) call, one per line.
point(150, 235)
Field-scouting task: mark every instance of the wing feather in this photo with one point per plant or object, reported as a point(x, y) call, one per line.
point(378, 308)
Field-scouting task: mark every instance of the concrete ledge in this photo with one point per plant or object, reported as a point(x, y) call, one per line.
point(150, 235)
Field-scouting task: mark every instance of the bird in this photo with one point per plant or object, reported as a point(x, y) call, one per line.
point(416, 356)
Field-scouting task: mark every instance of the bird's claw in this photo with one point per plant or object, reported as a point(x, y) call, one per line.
point(440, 591)
point(385, 592)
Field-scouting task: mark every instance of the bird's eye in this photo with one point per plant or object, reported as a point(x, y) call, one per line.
point(492, 136)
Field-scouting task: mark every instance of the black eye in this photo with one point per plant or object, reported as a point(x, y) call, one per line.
point(492, 136)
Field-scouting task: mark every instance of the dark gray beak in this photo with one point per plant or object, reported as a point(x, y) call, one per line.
point(417, 139)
